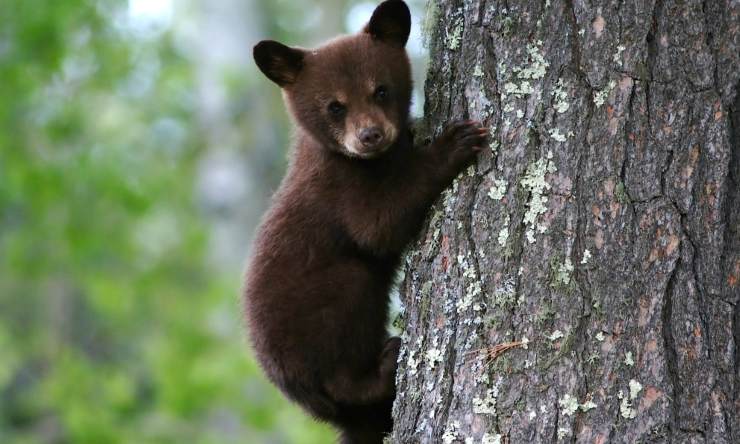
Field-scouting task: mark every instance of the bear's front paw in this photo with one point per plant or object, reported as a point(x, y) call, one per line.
point(462, 139)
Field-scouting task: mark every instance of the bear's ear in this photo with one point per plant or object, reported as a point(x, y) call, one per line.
point(278, 62)
point(390, 23)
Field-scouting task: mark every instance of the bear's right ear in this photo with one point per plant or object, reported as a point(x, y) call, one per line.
point(278, 62)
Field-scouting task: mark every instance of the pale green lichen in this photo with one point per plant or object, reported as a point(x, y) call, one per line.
point(600, 336)
point(473, 288)
point(412, 364)
point(625, 406)
point(454, 36)
point(505, 294)
point(450, 434)
point(491, 439)
point(561, 97)
point(557, 135)
point(534, 182)
point(519, 114)
point(482, 378)
point(534, 69)
point(586, 256)
point(449, 197)
point(503, 234)
point(487, 404)
point(523, 89)
point(537, 66)
point(555, 335)
point(593, 358)
point(600, 96)
point(563, 432)
point(562, 273)
point(588, 405)
point(498, 190)
point(569, 404)
point(618, 55)
point(478, 71)
point(433, 356)
point(628, 360)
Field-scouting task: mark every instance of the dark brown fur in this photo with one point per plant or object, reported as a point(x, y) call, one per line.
point(327, 250)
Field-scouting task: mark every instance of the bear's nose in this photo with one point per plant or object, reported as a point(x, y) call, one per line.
point(371, 137)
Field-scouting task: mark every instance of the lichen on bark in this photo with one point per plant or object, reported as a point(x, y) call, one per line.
point(619, 264)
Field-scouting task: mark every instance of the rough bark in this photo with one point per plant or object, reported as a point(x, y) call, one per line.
point(581, 282)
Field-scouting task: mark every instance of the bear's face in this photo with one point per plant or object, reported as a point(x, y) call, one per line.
point(352, 94)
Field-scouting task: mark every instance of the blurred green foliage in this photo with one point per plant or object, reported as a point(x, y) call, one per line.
point(114, 325)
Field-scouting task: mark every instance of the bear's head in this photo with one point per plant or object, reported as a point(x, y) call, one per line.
point(353, 93)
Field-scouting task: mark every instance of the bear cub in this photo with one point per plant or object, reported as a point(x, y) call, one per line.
point(356, 193)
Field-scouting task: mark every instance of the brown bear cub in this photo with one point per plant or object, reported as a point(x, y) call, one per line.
point(356, 193)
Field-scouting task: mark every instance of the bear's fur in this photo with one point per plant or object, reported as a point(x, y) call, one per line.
point(355, 194)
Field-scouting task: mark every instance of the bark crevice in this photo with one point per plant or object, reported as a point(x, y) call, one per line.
point(669, 345)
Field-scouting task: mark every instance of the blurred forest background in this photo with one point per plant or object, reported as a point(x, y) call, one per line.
point(138, 147)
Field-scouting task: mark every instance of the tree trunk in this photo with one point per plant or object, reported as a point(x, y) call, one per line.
point(580, 283)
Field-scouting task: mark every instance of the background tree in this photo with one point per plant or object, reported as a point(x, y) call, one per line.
point(581, 282)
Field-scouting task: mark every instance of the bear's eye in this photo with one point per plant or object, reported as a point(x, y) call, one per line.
point(336, 109)
point(381, 92)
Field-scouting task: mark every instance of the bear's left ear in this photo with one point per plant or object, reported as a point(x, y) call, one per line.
point(390, 23)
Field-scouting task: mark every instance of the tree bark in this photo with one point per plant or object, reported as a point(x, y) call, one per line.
point(580, 283)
